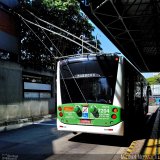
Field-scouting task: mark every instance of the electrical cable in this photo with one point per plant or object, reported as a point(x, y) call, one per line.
point(63, 30)
point(54, 57)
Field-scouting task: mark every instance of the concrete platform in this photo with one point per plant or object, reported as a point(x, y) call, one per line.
point(149, 147)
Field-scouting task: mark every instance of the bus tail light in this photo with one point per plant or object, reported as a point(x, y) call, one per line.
point(113, 116)
point(60, 108)
point(116, 59)
point(115, 110)
point(61, 114)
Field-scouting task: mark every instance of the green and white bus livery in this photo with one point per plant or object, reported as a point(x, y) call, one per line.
point(99, 94)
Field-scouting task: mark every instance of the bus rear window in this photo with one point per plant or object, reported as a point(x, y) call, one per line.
point(97, 68)
point(95, 79)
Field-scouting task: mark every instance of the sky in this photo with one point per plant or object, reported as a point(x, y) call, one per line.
point(106, 44)
point(109, 47)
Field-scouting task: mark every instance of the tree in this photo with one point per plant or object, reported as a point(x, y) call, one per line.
point(59, 4)
point(154, 80)
point(67, 15)
point(151, 80)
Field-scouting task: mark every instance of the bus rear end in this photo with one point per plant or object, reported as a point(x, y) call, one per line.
point(85, 94)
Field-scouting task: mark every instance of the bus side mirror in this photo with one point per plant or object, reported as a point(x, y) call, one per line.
point(149, 91)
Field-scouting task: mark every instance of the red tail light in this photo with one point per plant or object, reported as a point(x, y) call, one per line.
point(61, 114)
point(114, 110)
point(113, 116)
point(60, 108)
point(116, 59)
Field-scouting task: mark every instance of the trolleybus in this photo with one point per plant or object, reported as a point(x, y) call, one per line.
point(100, 93)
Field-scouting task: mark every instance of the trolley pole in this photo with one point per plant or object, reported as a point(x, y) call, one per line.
point(81, 36)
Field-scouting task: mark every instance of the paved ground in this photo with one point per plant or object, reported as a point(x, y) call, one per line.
point(89, 146)
point(152, 109)
point(147, 146)
point(31, 142)
point(43, 141)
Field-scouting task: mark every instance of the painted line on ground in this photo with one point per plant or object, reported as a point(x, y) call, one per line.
point(128, 152)
point(134, 149)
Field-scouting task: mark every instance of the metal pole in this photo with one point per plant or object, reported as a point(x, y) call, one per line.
point(96, 43)
point(82, 44)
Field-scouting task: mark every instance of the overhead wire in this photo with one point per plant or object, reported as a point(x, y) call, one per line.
point(37, 36)
point(67, 67)
point(66, 87)
point(85, 42)
point(55, 58)
point(54, 32)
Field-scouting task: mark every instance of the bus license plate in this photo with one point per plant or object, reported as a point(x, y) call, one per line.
point(85, 121)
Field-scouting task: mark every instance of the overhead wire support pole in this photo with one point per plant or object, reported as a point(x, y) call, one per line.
point(82, 42)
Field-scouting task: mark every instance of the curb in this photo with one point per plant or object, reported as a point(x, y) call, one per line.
point(23, 123)
point(133, 151)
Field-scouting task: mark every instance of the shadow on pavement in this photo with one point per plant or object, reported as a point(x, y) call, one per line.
point(33, 142)
point(151, 145)
point(102, 139)
point(137, 132)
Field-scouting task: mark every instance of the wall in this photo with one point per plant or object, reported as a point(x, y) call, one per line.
point(12, 104)
point(9, 38)
point(24, 109)
point(10, 86)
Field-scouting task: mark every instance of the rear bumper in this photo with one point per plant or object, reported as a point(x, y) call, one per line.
point(113, 130)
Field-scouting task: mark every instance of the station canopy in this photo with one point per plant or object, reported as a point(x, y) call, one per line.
point(132, 25)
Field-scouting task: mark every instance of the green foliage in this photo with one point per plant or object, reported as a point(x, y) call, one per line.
point(154, 80)
point(64, 15)
point(151, 80)
point(59, 4)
